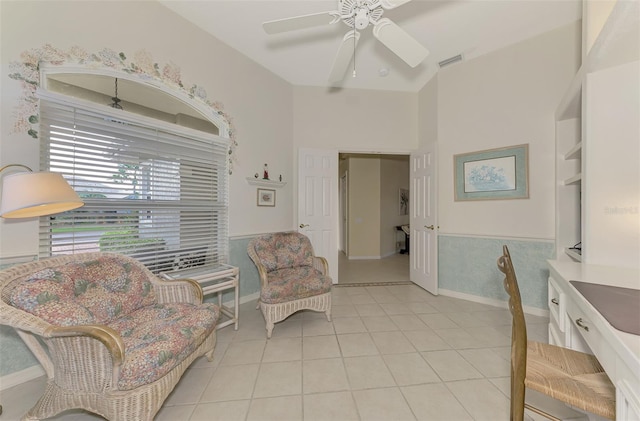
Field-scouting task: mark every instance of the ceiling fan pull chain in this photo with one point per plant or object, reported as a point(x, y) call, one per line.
point(354, 53)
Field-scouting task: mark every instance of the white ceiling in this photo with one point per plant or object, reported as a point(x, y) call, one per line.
point(446, 28)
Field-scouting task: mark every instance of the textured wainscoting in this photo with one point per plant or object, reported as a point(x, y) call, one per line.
point(468, 265)
point(15, 355)
point(249, 279)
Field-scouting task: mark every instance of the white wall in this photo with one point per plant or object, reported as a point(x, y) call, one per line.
point(502, 99)
point(611, 198)
point(428, 113)
point(354, 119)
point(263, 121)
point(364, 208)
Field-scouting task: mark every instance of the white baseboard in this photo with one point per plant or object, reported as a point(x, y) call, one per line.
point(20, 377)
point(246, 298)
point(364, 257)
point(492, 302)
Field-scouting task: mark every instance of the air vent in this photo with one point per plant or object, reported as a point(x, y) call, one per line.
point(450, 60)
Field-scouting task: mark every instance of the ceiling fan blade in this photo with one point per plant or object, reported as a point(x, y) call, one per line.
point(344, 56)
point(300, 22)
point(401, 43)
point(392, 4)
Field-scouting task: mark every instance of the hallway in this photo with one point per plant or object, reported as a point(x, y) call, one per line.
point(394, 268)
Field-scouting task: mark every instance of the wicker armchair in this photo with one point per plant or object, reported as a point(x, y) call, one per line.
point(292, 278)
point(113, 338)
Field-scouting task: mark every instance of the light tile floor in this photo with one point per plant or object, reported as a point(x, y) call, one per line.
point(390, 269)
point(390, 353)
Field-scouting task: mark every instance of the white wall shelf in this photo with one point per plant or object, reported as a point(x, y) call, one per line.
point(265, 183)
point(573, 254)
point(596, 129)
point(575, 152)
point(573, 180)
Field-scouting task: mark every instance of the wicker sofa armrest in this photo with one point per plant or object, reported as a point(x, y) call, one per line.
point(321, 264)
point(262, 272)
point(178, 291)
point(108, 336)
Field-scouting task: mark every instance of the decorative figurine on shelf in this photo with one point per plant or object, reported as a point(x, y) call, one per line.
point(266, 172)
point(256, 175)
point(280, 178)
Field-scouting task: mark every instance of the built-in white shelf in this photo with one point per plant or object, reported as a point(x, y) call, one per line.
point(265, 183)
point(573, 180)
point(575, 152)
point(573, 254)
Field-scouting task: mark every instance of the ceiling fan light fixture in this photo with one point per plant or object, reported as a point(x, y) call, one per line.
point(362, 18)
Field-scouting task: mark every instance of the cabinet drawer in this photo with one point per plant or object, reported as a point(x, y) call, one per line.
point(557, 304)
point(582, 334)
point(555, 337)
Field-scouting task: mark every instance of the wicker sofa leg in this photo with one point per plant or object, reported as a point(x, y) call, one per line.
point(269, 329)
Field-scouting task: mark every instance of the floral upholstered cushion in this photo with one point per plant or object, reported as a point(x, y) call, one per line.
point(293, 284)
point(159, 337)
point(88, 292)
point(284, 250)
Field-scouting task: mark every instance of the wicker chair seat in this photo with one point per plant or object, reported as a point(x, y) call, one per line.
point(294, 284)
point(159, 337)
point(573, 377)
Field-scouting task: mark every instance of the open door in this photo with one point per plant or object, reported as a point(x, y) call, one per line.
point(318, 203)
point(423, 219)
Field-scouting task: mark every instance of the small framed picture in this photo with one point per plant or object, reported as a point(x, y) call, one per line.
point(403, 201)
point(266, 197)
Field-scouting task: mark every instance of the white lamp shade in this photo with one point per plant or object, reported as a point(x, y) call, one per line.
point(31, 194)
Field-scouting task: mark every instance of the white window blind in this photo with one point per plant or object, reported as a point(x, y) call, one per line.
point(154, 191)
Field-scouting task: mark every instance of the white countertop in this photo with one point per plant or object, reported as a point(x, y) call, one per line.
point(626, 345)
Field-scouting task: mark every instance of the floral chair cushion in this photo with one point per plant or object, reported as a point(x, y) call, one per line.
point(159, 337)
point(91, 292)
point(284, 250)
point(293, 284)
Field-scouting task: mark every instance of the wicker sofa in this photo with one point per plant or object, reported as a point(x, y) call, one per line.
point(113, 338)
point(292, 278)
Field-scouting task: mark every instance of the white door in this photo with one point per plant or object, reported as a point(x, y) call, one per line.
point(343, 214)
point(318, 203)
point(423, 219)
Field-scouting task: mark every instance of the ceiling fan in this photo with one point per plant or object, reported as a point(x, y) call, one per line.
point(357, 14)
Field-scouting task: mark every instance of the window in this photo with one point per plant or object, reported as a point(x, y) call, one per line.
point(152, 190)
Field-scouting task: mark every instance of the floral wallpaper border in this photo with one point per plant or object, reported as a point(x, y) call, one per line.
point(27, 71)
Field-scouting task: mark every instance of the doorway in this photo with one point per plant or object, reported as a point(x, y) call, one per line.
point(372, 189)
